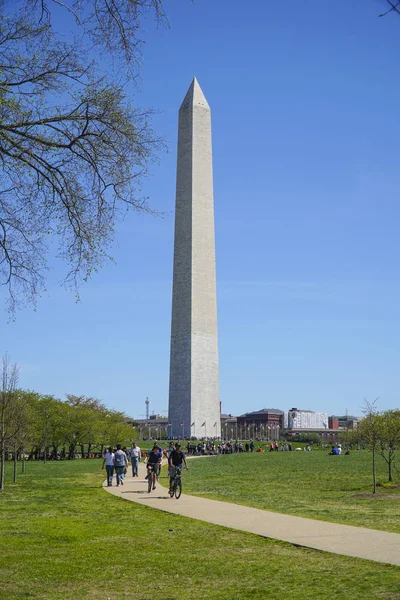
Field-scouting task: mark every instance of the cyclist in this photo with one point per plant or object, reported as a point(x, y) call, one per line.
point(154, 459)
point(175, 459)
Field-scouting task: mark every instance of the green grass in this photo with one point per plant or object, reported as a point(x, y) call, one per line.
point(306, 484)
point(63, 537)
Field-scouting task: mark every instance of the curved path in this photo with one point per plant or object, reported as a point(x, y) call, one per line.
point(379, 546)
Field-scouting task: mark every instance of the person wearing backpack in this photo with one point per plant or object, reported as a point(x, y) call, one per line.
point(120, 464)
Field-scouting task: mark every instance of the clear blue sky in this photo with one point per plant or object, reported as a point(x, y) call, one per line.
point(306, 135)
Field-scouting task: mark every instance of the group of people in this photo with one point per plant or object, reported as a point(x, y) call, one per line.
point(337, 450)
point(117, 460)
point(228, 447)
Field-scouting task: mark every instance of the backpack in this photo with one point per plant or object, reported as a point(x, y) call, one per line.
point(119, 458)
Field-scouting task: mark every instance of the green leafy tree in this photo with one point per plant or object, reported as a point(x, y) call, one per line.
point(50, 424)
point(73, 148)
point(349, 437)
point(79, 425)
point(389, 437)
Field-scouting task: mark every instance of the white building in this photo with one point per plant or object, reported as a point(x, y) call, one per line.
point(305, 419)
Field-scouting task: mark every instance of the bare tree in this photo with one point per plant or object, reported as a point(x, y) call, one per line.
point(73, 149)
point(9, 424)
point(394, 6)
point(369, 430)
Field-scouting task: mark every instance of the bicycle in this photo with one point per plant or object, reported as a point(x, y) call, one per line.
point(176, 489)
point(150, 470)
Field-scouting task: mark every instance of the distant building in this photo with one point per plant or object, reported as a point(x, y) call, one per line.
point(229, 429)
point(333, 423)
point(266, 416)
point(347, 421)
point(230, 418)
point(155, 427)
point(305, 419)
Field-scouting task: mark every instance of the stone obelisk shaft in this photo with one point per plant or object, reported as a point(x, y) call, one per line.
point(194, 406)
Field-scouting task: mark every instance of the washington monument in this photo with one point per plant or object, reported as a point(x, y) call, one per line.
point(194, 406)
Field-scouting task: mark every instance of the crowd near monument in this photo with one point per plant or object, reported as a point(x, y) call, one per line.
point(194, 404)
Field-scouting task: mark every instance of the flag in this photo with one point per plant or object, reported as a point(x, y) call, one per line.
point(180, 424)
point(203, 424)
point(192, 424)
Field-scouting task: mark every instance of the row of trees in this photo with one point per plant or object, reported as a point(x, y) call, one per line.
point(39, 425)
point(380, 433)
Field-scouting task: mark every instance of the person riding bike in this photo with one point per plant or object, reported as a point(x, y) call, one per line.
point(154, 459)
point(175, 459)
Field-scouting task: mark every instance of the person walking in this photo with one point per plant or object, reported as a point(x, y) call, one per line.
point(120, 464)
point(171, 448)
point(109, 463)
point(136, 455)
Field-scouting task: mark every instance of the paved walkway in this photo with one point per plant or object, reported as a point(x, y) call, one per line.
point(379, 546)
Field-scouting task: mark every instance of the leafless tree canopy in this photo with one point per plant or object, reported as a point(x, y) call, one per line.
point(393, 6)
point(72, 148)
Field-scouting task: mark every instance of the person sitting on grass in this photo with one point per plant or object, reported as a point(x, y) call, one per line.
point(175, 459)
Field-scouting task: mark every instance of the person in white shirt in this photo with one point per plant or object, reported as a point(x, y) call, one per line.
point(109, 462)
point(136, 455)
point(169, 449)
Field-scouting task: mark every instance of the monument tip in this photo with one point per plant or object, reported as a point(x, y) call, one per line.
point(194, 95)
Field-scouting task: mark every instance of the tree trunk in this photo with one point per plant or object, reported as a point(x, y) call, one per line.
point(390, 470)
point(2, 449)
point(2, 468)
point(15, 465)
point(23, 460)
point(88, 451)
point(374, 469)
point(71, 452)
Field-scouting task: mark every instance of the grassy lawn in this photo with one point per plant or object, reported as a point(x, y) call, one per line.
point(306, 484)
point(62, 537)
